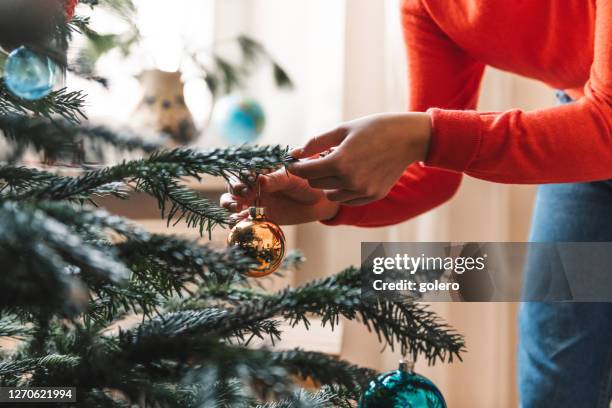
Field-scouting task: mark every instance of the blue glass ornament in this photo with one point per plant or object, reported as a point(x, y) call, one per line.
point(402, 388)
point(28, 75)
point(240, 119)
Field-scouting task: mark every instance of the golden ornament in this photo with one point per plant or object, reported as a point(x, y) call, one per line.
point(262, 239)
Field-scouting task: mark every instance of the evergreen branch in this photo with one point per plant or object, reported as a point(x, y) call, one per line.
point(156, 175)
point(52, 136)
point(184, 325)
point(162, 266)
point(182, 260)
point(293, 260)
point(13, 328)
point(15, 181)
point(18, 368)
point(167, 165)
point(342, 397)
point(416, 329)
point(185, 204)
point(226, 161)
point(210, 392)
point(305, 399)
point(191, 323)
point(323, 369)
point(237, 361)
point(18, 179)
point(81, 217)
point(42, 260)
point(66, 104)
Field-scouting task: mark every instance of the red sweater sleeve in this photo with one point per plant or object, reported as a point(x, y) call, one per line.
point(442, 75)
point(568, 143)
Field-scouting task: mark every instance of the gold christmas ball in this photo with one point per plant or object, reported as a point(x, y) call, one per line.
point(262, 239)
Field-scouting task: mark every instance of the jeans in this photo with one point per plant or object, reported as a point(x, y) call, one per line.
point(565, 348)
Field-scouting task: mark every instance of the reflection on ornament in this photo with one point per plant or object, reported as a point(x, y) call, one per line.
point(28, 75)
point(261, 239)
point(400, 389)
point(239, 119)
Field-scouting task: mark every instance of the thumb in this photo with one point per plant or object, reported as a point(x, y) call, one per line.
point(320, 143)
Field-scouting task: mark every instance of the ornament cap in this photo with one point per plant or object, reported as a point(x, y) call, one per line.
point(257, 213)
point(406, 366)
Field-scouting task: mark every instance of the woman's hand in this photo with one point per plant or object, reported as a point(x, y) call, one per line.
point(366, 156)
point(288, 199)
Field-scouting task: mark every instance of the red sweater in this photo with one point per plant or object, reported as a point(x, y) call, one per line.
point(565, 43)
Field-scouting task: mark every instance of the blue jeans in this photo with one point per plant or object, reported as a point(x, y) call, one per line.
point(565, 348)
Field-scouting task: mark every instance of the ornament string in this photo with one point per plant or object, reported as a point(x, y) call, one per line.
point(258, 192)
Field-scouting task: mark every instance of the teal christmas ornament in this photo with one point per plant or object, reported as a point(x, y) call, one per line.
point(402, 388)
point(240, 119)
point(28, 75)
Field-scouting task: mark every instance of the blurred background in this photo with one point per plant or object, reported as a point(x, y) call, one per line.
point(346, 59)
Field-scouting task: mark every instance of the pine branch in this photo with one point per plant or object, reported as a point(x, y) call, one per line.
point(185, 204)
point(83, 217)
point(321, 399)
point(52, 135)
point(169, 165)
point(12, 370)
point(131, 364)
point(13, 328)
point(162, 266)
point(210, 392)
point(323, 368)
point(18, 181)
point(184, 259)
point(191, 323)
point(43, 260)
point(181, 261)
point(157, 176)
point(64, 103)
point(227, 161)
point(414, 328)
point(237, 362)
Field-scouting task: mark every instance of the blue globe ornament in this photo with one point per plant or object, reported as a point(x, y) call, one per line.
point(240, 119)
point(28, 75)
point(402, 388)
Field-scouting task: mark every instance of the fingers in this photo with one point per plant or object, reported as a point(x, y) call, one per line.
point(276, 181)
point(236, 218)
point(341, 195)
point(321, 143)
point(326, 183)
point(316, 168)
point(232, 203)
point(239, 188)
point(270, 182)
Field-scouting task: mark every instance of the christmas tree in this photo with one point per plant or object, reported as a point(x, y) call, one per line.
point(71, 272)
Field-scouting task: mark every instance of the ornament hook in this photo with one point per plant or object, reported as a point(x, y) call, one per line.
point(406, 365)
